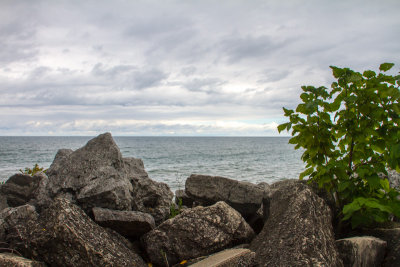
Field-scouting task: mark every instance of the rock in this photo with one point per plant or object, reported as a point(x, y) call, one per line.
point(243, 196)
point(132, 224)
point(12, 260)
point(63, 235)
point(12, 222)
point(394, 179)
point(19, 189)
point(196, 232)
point(186, 200)
point(40, 195)
point(392, 237)
point(228, 258)
point(96, 175)
point(364, 251)
point(298, 231)
point(93, 175)
point(151, 197)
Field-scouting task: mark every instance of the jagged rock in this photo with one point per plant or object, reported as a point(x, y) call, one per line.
point(197, 232)
point(151, 197)
point(229, 257)
point(298, 231)
point(392, 237)
point(243, 196)
point(94, 175)
point(11, 220)
point(40, 195)
point(20, 188)
point(186, 200)
point(63, 235)
point(364, 251)
point(12, 260)
point(132, 224)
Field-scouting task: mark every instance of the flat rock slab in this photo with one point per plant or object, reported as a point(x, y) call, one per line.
point(363, 251)
point(227, 258)
point(12, 260)
point(132, 224)
point(245, 197)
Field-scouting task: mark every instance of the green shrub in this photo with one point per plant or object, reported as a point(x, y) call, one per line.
point(350, 134)
point(33, 171)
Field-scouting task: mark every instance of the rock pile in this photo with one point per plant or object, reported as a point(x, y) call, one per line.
point(94, 207)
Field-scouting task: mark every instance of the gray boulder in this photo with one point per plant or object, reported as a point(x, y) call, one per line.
point(131, 224)
point(148, 196)
point(298, 231)
point(20, 188)
point(3, 201)
point(196, 232)
point(364, 251)
point(93, 175)
point(392, 237)
point(63, 235)
point(12, 260)
point(96, 175)
point(243, 196)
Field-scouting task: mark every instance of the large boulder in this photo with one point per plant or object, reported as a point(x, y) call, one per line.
point(93, 175)
point(392, 237)
point(131, 224)
point(196, 232)
point(63, 235)
point(20, 188)
point(12, 260)
point(97, 175)
point(243, 196)
point(361, 251)
point(298, 231)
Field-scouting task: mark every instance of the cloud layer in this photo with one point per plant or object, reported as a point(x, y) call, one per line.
point(178, 67)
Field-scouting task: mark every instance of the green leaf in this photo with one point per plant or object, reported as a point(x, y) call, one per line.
point(386, 66)
point(283, 126)
point(369, 74)
point(288, 112)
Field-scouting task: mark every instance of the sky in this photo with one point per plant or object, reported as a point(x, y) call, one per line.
point(179, 68)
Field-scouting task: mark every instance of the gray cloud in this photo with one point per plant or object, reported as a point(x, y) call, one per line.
point(178, 67)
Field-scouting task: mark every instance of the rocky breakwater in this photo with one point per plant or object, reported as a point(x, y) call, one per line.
point(94, 207)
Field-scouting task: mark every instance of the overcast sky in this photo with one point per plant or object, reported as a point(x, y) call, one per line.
point(178, 67)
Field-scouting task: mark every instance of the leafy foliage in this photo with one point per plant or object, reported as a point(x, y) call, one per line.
point(174, 210)
point(33, 171)
point(350, 134)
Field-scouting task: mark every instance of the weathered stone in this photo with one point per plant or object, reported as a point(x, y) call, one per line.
point(19, 189)
point(298, 231)
point(228, 258)
point(12, 260)
point(197, 232)
point(186, 200)
point(96, 175)
point(243, 196)
point(64, 235)
point(132, 224)
point(392, 237)
point(151, 197)
point(40, 195)
point(364, 251)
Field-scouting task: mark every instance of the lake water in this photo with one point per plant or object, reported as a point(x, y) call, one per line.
point(171, 159)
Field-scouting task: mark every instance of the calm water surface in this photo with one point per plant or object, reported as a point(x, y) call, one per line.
point(171, 159)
